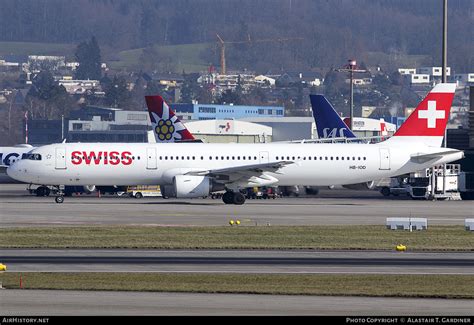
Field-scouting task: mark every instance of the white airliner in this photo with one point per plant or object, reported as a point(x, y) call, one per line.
point(8, 155)
point(193, 170)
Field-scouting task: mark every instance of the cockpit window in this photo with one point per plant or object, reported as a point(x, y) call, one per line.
point(31, 156)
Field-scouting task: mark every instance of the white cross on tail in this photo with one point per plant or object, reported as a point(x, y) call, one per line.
point(431, 114)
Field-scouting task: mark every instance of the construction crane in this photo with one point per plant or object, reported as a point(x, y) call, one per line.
point(222, 44)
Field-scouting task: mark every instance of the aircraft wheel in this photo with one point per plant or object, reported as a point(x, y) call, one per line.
point(385, 191)
point(238, 198)
point(228, 197)
point(42, 191)
point(59, 199)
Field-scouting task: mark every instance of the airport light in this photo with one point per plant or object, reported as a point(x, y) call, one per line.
point(351, 67)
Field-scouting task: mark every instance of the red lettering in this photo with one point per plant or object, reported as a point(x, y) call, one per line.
point(126, 158)
point(98, 158)
point(114, 158)
point(76, 157)
point(87, 158)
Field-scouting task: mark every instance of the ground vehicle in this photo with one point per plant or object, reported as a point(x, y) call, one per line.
point(140, 191)
point(417, 185)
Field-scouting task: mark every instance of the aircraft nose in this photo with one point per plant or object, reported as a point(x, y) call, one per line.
point(13, 171)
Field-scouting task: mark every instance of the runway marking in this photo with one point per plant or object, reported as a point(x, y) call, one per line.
point(249, 272)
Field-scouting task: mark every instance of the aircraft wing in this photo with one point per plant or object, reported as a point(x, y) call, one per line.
point(253, 174)
point(423, 157)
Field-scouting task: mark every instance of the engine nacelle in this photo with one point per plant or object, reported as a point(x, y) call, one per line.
point(191, 186)
point(361, 186)
point(89, 189)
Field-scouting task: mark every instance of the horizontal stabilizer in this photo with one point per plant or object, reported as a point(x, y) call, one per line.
point(424, 157)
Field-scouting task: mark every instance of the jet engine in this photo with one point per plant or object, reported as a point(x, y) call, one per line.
point(191, 186)
point(89, 189)
point(370, 185)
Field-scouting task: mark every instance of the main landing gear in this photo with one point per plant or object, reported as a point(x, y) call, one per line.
point(236, 198)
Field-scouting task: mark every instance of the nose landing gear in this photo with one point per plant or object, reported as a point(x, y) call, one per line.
point(59, 194)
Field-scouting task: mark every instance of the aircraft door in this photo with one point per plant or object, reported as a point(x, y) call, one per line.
point(263, 157)
point(384, 159)
point(60, 162)
point(151, 158)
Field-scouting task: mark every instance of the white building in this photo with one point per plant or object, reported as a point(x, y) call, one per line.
point(288, 128)
point(464, 78)
point(360, 81)
point(262, 80)
point(434, 71)
point(38, 63)
point(227, 131)
point(404, 71)
point(369, 127)
point(418, 78)
point(79, 86)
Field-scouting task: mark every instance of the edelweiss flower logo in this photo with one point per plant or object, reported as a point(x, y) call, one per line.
point(164, 129)
point(167, 128)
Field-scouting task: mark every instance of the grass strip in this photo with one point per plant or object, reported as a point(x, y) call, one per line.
point(432, 286)
point(439, 238)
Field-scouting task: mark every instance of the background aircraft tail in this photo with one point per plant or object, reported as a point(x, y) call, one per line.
point(166, 125)
point(428, 121)
point(328, 123)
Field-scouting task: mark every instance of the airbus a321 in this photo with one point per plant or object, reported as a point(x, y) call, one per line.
point(188, 170)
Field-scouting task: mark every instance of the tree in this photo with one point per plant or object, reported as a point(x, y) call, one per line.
point(88, 56)
point(230, 97)
point(116, 93)
point(189, 88)
point(46, 99)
